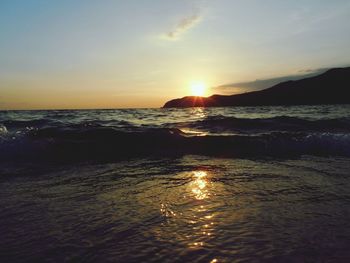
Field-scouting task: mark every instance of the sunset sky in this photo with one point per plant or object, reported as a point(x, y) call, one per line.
point(116, 54)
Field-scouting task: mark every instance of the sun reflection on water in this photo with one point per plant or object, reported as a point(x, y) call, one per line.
point(199, 185)
point(202, 218)
point(198, 113)
point(190, 132)
point(190, 211)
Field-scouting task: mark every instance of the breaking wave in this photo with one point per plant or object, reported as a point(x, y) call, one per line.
point(72, 143)
point(280, 123)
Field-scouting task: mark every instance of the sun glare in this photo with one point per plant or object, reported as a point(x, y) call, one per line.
point(198, 89)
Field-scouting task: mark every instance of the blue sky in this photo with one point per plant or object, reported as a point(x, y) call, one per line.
point(108, 54)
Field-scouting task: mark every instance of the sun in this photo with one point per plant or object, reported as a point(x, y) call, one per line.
point(198, 88)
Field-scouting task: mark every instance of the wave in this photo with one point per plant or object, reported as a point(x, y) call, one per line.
point(54, 123)
point(280, 123)
point(107, 144)
point(215, 124)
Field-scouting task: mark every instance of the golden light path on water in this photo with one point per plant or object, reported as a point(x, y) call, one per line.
point(200, 185)
point(198, 114)
point(188, 203)
point(194, 222)
point(189, 208)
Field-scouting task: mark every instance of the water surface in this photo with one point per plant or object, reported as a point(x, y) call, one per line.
point(265, 184)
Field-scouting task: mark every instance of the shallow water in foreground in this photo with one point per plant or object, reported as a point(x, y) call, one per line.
point(191, 209)
point(155, 205)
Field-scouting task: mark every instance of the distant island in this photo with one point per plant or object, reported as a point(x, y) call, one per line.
point(331, 87)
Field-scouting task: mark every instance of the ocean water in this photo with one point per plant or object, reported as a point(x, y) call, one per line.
point(240, 184)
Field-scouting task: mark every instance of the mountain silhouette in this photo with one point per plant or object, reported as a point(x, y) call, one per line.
point(331, 87)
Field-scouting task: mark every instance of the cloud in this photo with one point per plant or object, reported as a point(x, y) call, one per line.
point(248, 86)
point(183, 26)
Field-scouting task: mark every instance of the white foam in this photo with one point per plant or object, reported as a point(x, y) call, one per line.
point(3, 129)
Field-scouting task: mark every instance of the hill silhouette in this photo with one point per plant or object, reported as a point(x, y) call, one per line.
point(331, 87)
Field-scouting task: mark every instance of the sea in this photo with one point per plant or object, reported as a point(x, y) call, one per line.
point(233, 184)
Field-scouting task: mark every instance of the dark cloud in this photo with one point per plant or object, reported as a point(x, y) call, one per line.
point(265, 83)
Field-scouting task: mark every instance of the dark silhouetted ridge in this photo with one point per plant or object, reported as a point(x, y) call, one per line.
point(331, 87)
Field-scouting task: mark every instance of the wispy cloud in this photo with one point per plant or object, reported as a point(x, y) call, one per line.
point(183, 26)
